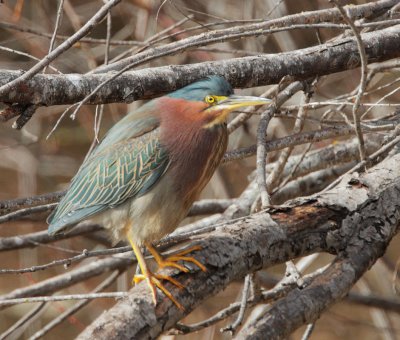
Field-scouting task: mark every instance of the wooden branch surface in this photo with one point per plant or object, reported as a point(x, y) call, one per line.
point(356, 220)
point(331, 57)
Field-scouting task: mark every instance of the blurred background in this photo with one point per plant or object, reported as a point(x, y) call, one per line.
point(31, 164)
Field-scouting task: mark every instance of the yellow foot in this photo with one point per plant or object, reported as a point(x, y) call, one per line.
point(172, 260)
point(180, 256)
point(154, 280)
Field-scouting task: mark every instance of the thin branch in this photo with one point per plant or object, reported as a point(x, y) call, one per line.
point(290, 176)
point(308, 331)
point(203, 207)
point(310, 184)
point(68, 261)
point(56, 27)
point(72, 310)
point(20, 28)
point(42, 237)
point(3, 48)
point(9, 206)
point(376, 155)
point(243, 305)
point(262, 153)
point(297, 139)
point(91, 296)
point(27, 211)
point(28, 317)
point(317, 105)
point(100, 14)
point(363, 80)
point(261, 150)
point(276, 173)
point(389, 304)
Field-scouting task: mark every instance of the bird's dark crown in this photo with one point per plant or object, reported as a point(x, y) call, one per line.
point(213, 85)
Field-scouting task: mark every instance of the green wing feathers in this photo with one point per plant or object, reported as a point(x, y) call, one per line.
point(109, 177)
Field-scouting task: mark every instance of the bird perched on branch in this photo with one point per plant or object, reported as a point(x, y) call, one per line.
point(143, 177)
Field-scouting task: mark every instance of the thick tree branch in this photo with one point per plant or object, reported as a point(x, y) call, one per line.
point(359, 217)
point(265, 27)
point(328, 58)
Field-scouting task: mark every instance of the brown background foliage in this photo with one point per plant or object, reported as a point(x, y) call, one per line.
point(31, 164)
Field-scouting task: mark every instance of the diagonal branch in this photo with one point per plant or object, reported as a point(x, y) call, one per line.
point(359, 216)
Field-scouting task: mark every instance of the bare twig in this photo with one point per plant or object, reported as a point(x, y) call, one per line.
point(296, 139)
point(91, 296)
point(376, 155)
point(79, 305)
point(308, 331)
point(56, 27)
point(203, 207)
point(262, 135)
point(27, 211)
point(3, 48)
point(87, 40)
point(67, 262)
point(100, 14)
point(243, 304)
point(262, 153)
point(364, 72)
point(274, 176)
point(22, 323)
point(280, 289)
point(292, 274)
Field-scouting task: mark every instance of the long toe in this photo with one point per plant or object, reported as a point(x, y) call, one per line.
point(172, 260)
point(175, 258)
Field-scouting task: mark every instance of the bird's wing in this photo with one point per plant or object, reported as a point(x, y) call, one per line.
point(109, 177)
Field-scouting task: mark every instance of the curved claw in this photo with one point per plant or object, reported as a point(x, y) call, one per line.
point(153, 281)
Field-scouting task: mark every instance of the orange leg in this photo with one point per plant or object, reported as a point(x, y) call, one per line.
point(153, 280)
point(171, 261)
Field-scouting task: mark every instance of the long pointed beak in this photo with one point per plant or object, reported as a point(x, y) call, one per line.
point(233, 102)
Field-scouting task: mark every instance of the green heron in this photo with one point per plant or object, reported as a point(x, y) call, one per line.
point(143, 177)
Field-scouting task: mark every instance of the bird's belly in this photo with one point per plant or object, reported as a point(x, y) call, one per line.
point(154, 217)
point(148, 218)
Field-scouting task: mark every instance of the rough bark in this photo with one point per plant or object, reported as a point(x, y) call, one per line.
point(340, 55)
point(356, 220)
point(333, 15)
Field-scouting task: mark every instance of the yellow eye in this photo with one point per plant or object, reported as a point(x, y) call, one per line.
point(209, 99)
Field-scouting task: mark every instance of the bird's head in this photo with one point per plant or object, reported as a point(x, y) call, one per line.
point(211, 100)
